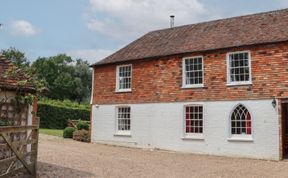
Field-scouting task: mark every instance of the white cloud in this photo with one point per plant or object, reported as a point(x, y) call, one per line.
point(135, 17)
point(91, 55)
point(283, 3)
point(22, 28)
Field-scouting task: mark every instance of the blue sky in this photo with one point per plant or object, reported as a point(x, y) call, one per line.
point(93, 29)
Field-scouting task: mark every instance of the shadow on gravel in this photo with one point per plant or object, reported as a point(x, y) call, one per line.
point(46, 170)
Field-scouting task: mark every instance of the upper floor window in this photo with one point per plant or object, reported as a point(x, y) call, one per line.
point(123, 78)
point(193, 72)
point(193, 119)
point(239, 68)
point(241, 121)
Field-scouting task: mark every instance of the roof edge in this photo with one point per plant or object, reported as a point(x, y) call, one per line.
point(223, 19)
point(181, 26)
point(173, 54)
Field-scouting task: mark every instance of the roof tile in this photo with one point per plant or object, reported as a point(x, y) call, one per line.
point(11, 82)
point(268, 27)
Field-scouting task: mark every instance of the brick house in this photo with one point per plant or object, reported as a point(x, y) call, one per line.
point(218, 87)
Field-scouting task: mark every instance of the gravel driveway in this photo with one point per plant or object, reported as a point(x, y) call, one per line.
point(67, 158)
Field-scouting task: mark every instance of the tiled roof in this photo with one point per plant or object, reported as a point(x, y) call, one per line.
point(11, 81)
point(262, 28)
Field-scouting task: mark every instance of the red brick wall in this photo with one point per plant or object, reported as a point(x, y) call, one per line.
point(160, 80)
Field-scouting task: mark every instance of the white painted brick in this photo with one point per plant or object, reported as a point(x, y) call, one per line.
point(160, 125)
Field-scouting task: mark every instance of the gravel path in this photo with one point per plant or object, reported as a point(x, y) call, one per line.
point(67, 158)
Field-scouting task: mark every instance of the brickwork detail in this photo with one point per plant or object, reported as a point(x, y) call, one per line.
point(160, 80)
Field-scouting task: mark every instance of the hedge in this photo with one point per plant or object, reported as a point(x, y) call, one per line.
point(55, 117)
point(64, 103)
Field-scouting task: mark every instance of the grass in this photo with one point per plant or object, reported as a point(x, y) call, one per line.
point(53, 132)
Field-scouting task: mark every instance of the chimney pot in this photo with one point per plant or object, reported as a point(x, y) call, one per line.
point(172, 21)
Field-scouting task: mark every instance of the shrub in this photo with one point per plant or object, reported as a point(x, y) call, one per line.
point(82, 135)
point(68, 132)
point(54, 116)
point(64, 103)
point(82, 125)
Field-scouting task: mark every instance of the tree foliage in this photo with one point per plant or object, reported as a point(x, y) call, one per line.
point(63, 77)
point(18, 58)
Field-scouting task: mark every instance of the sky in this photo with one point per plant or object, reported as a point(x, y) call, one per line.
point(94, 29)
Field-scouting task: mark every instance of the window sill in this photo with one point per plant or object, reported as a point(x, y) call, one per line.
point(123, 134)
point(241, 139)
point(123, 91)
point(193, 137)
point(193, 86)
point(239, 84)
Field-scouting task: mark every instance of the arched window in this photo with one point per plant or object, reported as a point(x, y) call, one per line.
point(241, 121)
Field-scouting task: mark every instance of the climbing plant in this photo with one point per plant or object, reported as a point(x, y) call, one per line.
point(27, 88)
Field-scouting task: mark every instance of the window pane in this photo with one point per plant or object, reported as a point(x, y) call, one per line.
point(239, 67)
point(241, 121)
point(194, 119)
point(124, 79)
point(123, 118)
point(193, 70)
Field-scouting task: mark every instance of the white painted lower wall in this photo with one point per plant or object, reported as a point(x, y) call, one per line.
point(160, 125)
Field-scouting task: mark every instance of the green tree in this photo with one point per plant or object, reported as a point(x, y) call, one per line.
point(17, 57)
point(82, 81)
point(62, 87)
point(65, 78)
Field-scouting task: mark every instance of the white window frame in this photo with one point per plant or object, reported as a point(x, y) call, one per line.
point(117, 79)
point(193, 136)
point(184, 85)
point(229, 82)
point(240, 137)
point(122, 132)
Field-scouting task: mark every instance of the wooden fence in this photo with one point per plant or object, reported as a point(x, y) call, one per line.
point(73, 123)
point(18, 141)
point(19, 145)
